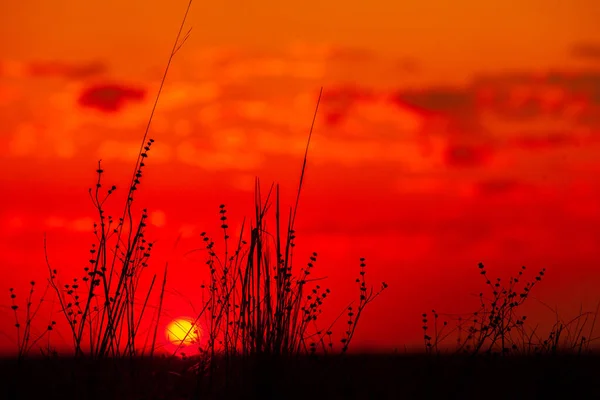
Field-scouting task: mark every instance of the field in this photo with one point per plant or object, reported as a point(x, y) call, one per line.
point(371, 376)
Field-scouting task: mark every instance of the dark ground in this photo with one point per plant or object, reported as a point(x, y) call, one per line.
point(334, 377)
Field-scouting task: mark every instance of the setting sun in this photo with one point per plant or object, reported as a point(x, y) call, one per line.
point(182, 332)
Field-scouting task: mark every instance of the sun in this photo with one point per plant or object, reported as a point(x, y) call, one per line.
point(182, 332)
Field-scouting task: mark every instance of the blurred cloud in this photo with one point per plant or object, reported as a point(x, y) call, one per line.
point(52, 69)
point(467, 155)
point(66, 70)
point(500, 186)
point(9, 94)
point(15, 222)
point(549, 141)
point(234, 109)
point(158, 218)
point(188, 152)
point(586, 50)
point(110, 97)
point(24, 141)
point(451, 101)
point(128, 150)
point(188, 231)
point(84, 224)
point(81, 224)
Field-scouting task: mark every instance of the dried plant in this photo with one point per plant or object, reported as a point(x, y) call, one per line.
point(26, 339)
point(498, 327)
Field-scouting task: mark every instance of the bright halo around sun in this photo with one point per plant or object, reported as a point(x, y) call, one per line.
point(182, 332)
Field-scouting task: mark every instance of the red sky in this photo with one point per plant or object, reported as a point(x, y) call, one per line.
point(450, 133)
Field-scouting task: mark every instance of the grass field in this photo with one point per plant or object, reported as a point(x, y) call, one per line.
point(352, 376)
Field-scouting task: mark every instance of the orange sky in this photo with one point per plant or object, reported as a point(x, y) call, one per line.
point(450, 133)
point(449, 39)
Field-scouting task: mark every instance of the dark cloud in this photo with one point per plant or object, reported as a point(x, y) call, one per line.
point(333, 118)
point(589, 84)
point(444, 100)
point(582, 83)
point(549, 141)
point(589, 51)
point(467, 155)
point(337, 102)
point(498, 186)
point(590, 119)
point(346, 94)
point(526, 111)
point(109, 97)
point(408, 65)
point(503, 80)
point(66, 70)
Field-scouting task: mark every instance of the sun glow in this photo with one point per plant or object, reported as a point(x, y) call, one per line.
point(181, 331)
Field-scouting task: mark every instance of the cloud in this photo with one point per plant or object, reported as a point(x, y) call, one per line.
point(24, 141)
point(360, 112)
point(9, 94)
point(549, 141)
point(180, 95)
point(128, 150)
point(109, 97)
point(54, 68)
point(244, 66)
point(13, 223)
point(467, 155)
point(337, 102)
point(81, 225)
point(13, 69)
point(442, 100)
point(158, 218)
point(502, 126)
point(188, 231)
point(208, 121)
point(407, 65)
point(84, 224)
point(66, 70)
point(498, 186)
point(215, 160)
point(587, 50)
point(41, 140)
point(550, 90)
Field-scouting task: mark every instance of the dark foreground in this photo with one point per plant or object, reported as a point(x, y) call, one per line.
point(350, 377)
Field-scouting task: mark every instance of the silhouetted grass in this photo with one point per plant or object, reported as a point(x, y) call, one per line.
point(258, 305)
point(260, 317)
point(25, 339)
point(499, 327)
